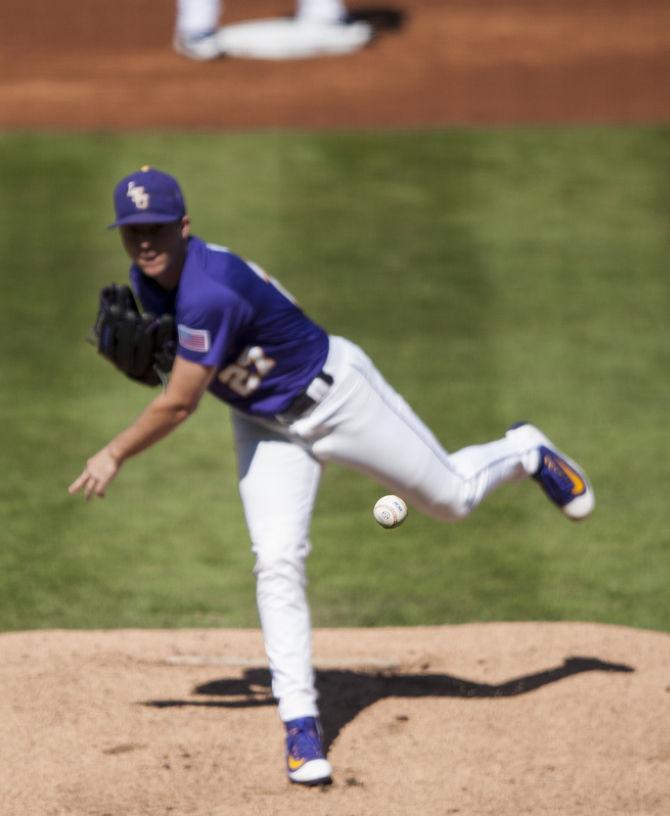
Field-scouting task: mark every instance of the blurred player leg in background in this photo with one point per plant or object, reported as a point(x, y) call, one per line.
point(323, 11)
point(323, 25)
point(196, 27)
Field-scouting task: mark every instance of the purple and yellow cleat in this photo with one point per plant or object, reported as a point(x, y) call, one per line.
point(306, 763)
point(564, 482)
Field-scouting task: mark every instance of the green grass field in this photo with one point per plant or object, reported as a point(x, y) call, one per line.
point(493, 275)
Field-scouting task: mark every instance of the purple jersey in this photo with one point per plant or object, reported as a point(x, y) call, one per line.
point(234, 317)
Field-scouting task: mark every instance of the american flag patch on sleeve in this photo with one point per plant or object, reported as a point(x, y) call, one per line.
point(193, 339)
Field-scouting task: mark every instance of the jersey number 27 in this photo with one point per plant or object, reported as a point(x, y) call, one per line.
point(245, 375)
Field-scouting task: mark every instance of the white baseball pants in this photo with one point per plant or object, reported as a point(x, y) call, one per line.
point(361, 423)
point(196, 16)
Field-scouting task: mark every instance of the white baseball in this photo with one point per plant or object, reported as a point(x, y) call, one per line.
point(390, 511)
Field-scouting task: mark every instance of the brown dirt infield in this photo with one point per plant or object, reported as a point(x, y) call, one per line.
point(504, 719)
point(518, 718)
point(105, 65)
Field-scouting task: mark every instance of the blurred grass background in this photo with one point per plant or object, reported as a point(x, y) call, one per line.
point(493, 276)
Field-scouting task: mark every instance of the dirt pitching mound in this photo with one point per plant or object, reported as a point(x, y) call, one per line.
point(519, 718)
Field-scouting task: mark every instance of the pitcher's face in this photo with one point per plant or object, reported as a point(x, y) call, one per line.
point(159, 250)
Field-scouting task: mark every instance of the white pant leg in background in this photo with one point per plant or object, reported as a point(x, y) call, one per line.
point(323, 11)
point(278, 485)
point(197, 16)
point(365, 424)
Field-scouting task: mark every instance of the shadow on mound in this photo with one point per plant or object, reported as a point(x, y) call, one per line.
point(344, 693)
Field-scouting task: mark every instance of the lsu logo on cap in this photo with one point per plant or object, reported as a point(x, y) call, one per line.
point(193, 339)
point(138, 195)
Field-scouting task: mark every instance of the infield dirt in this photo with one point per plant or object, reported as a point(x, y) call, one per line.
point(101, 65)
point(504, 719)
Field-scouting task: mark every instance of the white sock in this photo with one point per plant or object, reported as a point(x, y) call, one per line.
point(490, 465)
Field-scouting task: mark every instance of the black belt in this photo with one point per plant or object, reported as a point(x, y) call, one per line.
point(303, 402)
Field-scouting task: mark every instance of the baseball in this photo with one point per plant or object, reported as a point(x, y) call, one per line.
point(390, 511)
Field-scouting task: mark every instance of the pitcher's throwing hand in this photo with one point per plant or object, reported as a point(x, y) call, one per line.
point(96, 476)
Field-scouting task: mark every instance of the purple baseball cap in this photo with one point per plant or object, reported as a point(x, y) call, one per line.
point(147, 197)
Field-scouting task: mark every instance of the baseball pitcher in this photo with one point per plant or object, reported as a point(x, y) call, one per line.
point(299, 398)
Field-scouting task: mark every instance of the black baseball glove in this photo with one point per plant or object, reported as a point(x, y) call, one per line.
point(143, 346)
